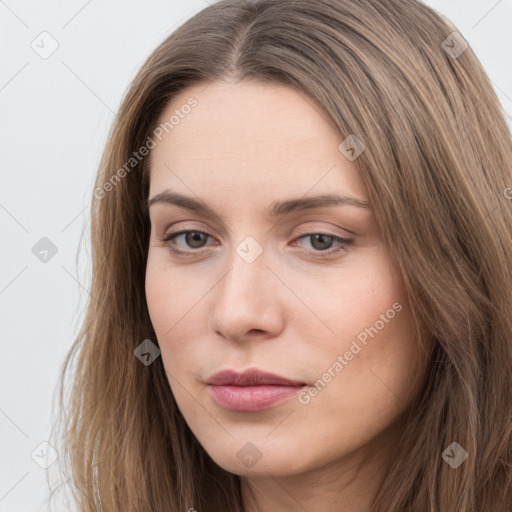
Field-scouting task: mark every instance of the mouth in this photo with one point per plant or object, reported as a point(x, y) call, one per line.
point(251, 391)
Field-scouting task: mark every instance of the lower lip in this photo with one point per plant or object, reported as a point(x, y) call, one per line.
point(251, 398)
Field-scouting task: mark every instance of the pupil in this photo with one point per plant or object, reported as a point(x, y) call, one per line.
point(192, 238)
point(321, 237)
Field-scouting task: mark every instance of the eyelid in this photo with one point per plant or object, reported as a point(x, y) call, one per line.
point(303, 230)
point(312, 230)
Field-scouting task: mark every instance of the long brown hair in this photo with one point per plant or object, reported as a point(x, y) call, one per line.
point(438, 167)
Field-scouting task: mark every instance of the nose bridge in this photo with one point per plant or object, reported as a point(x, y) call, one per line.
point(248, 268)
point(241, 303)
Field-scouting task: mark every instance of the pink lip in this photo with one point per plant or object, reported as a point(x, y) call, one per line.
point(250, 391)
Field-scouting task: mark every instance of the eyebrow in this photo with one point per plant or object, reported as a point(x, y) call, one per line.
point(277, 209)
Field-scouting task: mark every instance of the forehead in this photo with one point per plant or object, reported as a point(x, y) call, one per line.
point(250, 134)
point(248, 111)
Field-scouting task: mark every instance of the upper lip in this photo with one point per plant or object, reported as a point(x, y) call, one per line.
point(250, 377)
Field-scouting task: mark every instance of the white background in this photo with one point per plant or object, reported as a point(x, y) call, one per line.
point(55, 114)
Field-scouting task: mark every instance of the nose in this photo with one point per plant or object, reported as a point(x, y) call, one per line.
point(247, 301)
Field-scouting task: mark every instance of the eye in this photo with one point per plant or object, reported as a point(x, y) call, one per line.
point(195, 240)
point(320, 242)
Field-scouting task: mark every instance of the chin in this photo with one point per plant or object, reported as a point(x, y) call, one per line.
point(252, 460)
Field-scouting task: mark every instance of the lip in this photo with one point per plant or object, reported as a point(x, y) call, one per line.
point(251, 391)
point(250, 377)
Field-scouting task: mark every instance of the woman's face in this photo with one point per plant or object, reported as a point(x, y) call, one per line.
point(266, 281)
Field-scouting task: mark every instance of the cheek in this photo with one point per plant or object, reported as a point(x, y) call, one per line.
point(160, 298)
point(352, 302)
point(358, 389)
point(166, 305)
point(168, 294)
point(174, 305)
point(365, 352)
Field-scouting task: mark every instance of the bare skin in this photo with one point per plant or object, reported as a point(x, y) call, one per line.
point(296, 310)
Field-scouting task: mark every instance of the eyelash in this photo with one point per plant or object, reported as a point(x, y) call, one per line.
point(344, 247)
